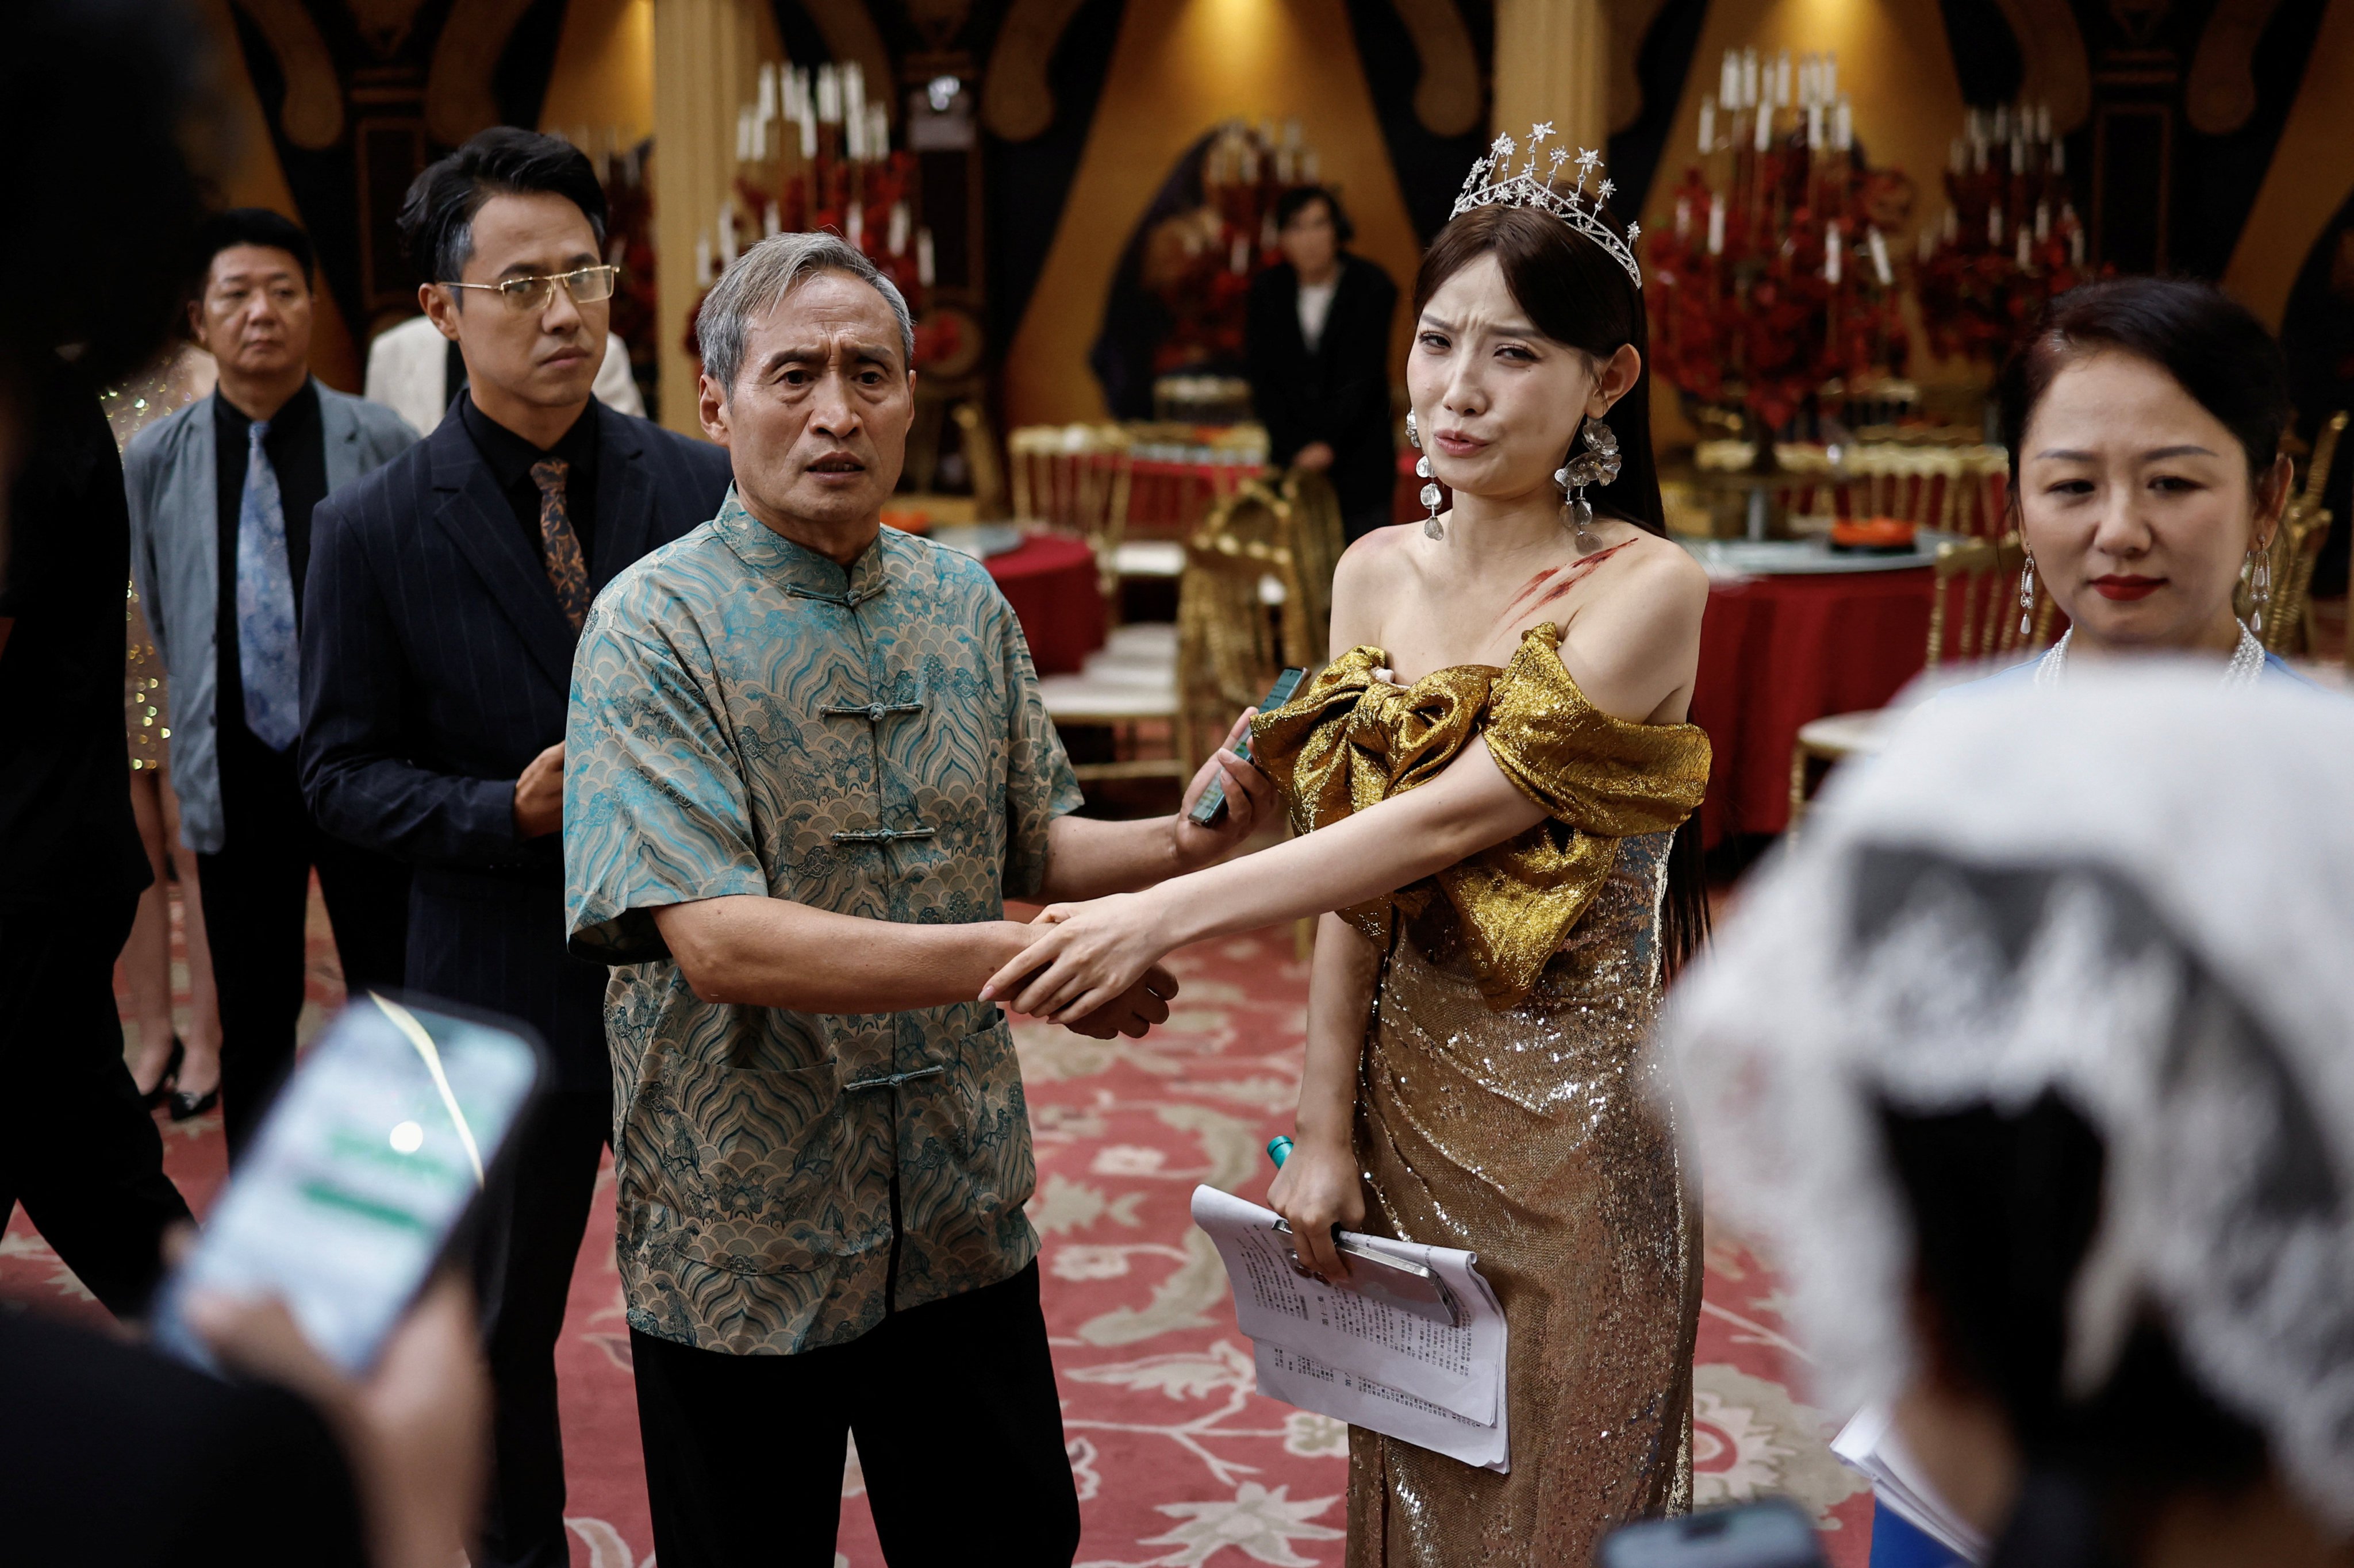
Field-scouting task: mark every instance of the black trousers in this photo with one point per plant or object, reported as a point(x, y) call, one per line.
point(959, 1435)
point(526, 1240)
point(77, 1148)
point(257, 898)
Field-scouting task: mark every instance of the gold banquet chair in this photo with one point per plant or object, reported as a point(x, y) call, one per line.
point(2296, 549)
point(1974, 609)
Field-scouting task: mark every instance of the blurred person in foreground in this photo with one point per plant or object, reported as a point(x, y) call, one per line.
point(2029, 1066)
point(88, 290)
point(447, 590)
point(108, 1455)
point(1317, 339)
point(808, 764)
point(2144, 418)
point(222, 494)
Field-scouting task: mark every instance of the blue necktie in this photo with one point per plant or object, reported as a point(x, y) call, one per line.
point(266, 650)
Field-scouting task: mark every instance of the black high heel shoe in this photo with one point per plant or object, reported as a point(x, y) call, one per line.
point(187, 1107)
point(165, 1083)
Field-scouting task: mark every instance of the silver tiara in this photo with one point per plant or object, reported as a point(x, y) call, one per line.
point(1492, 183)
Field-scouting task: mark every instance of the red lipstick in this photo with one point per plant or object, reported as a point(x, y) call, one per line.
point(2120, 587)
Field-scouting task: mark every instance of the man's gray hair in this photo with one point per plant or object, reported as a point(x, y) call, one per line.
point(760, 280)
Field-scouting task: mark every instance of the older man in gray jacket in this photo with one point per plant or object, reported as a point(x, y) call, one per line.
point(220, 496)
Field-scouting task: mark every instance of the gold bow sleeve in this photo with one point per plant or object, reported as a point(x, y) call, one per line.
point(1348, 742)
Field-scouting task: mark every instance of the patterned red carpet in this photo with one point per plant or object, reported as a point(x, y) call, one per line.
point(1179, 1461)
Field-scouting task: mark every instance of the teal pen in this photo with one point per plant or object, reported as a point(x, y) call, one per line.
point(1278, 1148)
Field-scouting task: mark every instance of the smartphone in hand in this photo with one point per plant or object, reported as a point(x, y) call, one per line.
point(374, 1152)
point(1214, 799)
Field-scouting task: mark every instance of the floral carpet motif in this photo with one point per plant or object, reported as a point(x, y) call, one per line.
point(1180, 1461)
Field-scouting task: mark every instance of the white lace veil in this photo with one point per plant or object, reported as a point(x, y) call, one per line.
point(2137, 891)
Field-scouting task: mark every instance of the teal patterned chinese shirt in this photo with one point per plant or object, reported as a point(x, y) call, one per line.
point(749, 717)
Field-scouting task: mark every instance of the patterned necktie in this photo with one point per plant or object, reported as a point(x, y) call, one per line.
point(266, 648)
point(560, 546)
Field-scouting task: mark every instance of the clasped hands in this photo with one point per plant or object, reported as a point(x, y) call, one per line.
point(1095, 967)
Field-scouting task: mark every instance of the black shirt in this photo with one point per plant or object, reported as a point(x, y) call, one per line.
point(511, 457)
point(297, 449)
point(66, 831)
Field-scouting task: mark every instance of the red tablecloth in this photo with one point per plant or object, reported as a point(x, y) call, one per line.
point(1778, 651)
point(1050, 582)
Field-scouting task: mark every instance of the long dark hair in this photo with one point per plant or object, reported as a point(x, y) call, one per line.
point(2194, 332)
point(1576, 292)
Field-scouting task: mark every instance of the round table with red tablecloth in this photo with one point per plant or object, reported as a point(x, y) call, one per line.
point(1051, 583)
point(1777, 651)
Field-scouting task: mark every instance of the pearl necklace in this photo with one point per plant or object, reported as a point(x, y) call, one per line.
point(2247, 662)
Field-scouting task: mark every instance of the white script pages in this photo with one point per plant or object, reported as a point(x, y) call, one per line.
point(1360, 1358)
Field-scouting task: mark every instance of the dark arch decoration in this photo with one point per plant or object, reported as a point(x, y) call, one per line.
point(1429, 164)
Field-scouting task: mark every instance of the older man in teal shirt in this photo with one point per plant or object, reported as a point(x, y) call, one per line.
point(807, 764)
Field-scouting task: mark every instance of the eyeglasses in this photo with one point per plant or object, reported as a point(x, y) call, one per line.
point(526, 296)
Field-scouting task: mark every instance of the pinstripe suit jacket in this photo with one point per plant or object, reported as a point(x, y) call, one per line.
point(436, 665)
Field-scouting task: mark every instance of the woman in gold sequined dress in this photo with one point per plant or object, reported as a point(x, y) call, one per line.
point(1488, 781)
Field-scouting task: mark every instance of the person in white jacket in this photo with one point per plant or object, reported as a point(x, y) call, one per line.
point(409, 373)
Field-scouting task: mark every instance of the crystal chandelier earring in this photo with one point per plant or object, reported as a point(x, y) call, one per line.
point(1597, 465)
point(1431, 526)
point(2260, 588)
point(2026, 595)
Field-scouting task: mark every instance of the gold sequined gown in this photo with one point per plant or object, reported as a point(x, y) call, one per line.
point(1507, 1101)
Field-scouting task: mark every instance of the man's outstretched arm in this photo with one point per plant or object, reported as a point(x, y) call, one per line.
point(747, 950)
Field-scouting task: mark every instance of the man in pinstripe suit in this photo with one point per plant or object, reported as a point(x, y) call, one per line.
point(451, 585)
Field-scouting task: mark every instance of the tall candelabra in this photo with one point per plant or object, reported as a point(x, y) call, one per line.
point(2009, 239)
point(814, 152)
point(1775, 282)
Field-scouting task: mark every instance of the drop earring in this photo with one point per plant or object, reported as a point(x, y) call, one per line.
point(2026, 597)
point(2260, 588)
point(1432, 528)
point(1597, 465)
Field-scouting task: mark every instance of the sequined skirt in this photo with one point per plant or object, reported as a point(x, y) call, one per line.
point(1537, 1137)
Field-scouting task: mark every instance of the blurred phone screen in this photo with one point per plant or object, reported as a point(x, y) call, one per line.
point(365, 1164)
point(1774, 1532)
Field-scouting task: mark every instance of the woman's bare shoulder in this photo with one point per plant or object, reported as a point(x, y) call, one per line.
point(1371, 574)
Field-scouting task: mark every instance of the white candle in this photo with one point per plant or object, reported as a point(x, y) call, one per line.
point(1925, 240)
point(2059, 156)
point(828, 95)
point(1765, 138)
point(702, 260)
point(772, 222)
point(727, 234)
point(1994, 226)
point(1814, 126)
point(809, 132)
point(1830, 74)
point(1728, 81)
point(2042, 221)
point(767, 101)
point(2026, 257)
point(1842, 128)
point(1749, 79)
point(924, 256)
point(743, 135)
point(2002, 121)
point(897, 243)
point(854, 91)
point(1715, 226)
point(1782, 80)
point(857, 225)
point(854, 136)
point(1878, 246)
point(1831, 253)
point(878, 132)
point(1707, 126)
point(1683, 218)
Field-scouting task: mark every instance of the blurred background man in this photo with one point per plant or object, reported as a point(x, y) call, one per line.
point(1318, 344)
point(221, 496)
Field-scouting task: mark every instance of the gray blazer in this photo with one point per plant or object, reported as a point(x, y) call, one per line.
point(168, 472)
